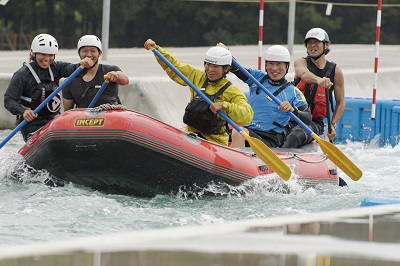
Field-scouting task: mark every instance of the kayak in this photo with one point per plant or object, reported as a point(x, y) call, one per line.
point(127, 152)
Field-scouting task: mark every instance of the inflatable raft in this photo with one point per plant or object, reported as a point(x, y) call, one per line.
point(127, 152)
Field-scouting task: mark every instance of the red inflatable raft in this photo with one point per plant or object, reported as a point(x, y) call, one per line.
point(128, 152)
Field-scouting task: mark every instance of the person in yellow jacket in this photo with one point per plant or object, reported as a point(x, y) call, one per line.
point(212, 81)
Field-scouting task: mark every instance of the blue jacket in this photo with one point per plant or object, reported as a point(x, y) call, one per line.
point(265, 109)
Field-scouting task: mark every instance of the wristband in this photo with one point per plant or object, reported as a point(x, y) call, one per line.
point(295, 111)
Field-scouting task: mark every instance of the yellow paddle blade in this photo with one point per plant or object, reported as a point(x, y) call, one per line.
point(338, 158)
point(268, 156)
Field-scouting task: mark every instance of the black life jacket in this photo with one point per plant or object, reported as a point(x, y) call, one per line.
point(41, 93)
point(317, 96)
point(199, 116)
point(90, 92)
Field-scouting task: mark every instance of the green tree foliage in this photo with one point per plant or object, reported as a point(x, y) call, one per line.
point(193, 23)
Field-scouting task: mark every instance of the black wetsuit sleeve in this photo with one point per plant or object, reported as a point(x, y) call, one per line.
point(14, 92)
point(64, 70)
point(235, 70)
point(304, 114)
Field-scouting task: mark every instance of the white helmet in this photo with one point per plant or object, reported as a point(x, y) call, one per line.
point(317, 33)
point(45, 44)
point(90, 40)
point(218, 56)
point(277, 53)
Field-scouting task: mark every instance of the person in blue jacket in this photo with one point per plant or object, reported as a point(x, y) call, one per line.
point(271, 121)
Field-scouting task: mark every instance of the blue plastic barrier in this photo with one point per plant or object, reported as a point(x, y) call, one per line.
point(356, 123)
point(373, 201)
point(395, 126)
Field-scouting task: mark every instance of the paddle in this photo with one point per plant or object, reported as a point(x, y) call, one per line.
point(260, 149)
point(333, 153)
point(98, 93)
point(342, 183)
point(328, 112)
point(46, 101)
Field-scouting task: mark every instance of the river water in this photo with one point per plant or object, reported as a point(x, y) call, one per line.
point(31, 211)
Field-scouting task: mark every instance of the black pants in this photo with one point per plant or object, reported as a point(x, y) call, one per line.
point(271, 139)
point(33, 126)
point(298, 136)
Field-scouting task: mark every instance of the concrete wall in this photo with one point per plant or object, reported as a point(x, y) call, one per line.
point(7, 120)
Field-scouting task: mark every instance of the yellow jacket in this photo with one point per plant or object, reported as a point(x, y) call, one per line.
point(235, 102)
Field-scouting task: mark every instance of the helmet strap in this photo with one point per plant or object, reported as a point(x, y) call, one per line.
point(271, 81)
point(325, 51)
point(316, 57)
point(95, 63)
point(225, 72)
point(277, 82)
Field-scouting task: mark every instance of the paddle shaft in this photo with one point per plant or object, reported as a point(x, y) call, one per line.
point(98, 94)
point(40, 107)
point(205, 98)
point(276, 100)
point(328, 113)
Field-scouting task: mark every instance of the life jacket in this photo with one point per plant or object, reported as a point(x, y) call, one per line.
point(281, 88)
point(90, 92)
point(199, 116)
point(317, 96)
point(41, 93)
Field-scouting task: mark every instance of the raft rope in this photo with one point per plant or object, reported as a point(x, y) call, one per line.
point(299, 157)
point(107, 106)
